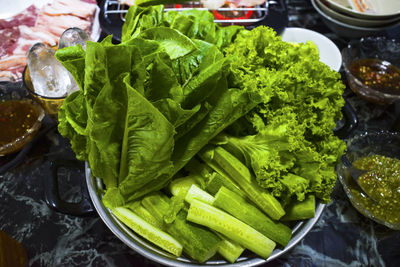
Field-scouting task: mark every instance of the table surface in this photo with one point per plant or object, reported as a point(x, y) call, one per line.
point(341, 237)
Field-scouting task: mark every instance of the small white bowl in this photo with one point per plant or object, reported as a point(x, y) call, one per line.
point(328, 52)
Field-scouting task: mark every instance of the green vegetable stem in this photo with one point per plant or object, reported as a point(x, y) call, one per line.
point(198, 242)
point(204, 214)
point(249, 214)
point(145, 229)
point(227, 164)
point(300, 210)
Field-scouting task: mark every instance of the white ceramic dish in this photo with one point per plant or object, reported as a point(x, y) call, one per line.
point(352, 20)
point(350, 31)
point(328, 51)
point(381, 8)
point(8, 10)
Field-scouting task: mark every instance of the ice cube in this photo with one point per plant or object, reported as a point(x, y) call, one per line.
point(73, 36)
point(49, 77)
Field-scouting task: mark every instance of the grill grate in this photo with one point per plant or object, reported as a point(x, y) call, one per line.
point(241, 15)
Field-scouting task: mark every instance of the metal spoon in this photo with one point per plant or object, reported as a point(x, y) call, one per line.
point(355, 174)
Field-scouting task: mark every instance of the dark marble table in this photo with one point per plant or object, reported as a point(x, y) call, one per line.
point(341, 237)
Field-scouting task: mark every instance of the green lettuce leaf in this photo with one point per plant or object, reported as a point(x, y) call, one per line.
point(138, 19)
point(147, 145)
point(174, 43)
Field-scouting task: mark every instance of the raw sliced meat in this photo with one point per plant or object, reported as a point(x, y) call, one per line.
point(38, 35)
point(215, 4)
point(12, 61)
point(247, 2)
point(127, 2)
point(58, 24)
point(27, 17)
point(8, 40)
point(8, 75)
point(11, 68)
point(73, 7)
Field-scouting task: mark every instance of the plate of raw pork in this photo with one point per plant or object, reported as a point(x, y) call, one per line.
point(30, 22)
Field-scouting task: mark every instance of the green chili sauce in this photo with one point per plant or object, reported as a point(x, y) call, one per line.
point(382, 182)
point(16, 118)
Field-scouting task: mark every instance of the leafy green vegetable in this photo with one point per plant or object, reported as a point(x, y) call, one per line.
point(146, 148)
point(133, 109)
point(178, 82)
point(175, 43)
point(229, 106)
point(291, 131)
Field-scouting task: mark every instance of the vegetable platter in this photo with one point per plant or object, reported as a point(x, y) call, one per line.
point(213, 144)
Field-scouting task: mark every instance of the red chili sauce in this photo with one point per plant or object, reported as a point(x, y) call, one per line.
point(377, 74)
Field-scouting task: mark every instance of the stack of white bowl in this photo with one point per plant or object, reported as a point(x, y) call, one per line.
point(348, 18)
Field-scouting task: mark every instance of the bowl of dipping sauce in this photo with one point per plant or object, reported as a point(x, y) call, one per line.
point(372, 67)
point(20, 120)
point(378, 153)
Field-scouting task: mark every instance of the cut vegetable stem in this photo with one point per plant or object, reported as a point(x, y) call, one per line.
point(148, 231)
point(199, 243)
point(220, 221)
point(196, 192)
point(219, 158)
point(300, 210)
point(246, 212)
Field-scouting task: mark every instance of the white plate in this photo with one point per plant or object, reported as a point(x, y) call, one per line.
point(96, 29)
point(345, 18)
point(328, 52)
point(381, 8)
point(12, 8)
point(350, 31)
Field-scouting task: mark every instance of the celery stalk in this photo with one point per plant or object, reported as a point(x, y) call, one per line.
point(229, 249)
point(148, 231)
point(225, 163)
point(199, 243)
point(143, 213)
point(237, 206)
point(194, 166)
point(218, 180)
point(181, 185)
point(196, 192)
point(220, 221)
point(300, 210)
